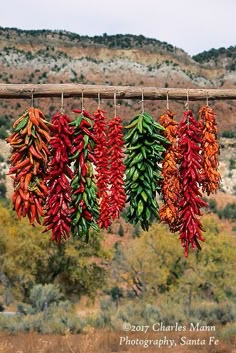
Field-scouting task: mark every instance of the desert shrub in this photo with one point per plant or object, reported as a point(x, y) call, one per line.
point(211, 313)
point(57, 320)
point(228, 333)
point(146, 314)
point(42, 296)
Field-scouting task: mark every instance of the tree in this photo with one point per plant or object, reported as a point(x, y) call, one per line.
point(28, 257)
point(155, 265)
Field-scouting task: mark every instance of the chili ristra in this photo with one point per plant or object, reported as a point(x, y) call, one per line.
point(210, 150)
point(84, 190)
point(102, 167)
point(29, 159)
point(144, 148)
point(58, 202)
point(170, 173)
point(117, 167)
point(190, 203)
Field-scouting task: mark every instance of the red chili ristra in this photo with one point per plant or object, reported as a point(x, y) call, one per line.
point(102, 169)
point(190, 227)
point(58, 201)
point(117, 167)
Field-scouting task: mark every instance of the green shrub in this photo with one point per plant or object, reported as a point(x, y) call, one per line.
point(3, 133)
point(229, 133)
point(228, 212)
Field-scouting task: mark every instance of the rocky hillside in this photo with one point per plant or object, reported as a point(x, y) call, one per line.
point(60, 57)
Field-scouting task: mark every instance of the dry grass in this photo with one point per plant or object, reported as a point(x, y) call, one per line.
point(101, 342)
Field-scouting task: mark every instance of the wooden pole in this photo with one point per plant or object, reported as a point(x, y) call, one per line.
point(107, 92)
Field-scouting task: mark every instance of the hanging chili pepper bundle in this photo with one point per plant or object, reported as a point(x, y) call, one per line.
point(58, 201)
point(144, 148)
point(211, 150)
point(84, 190)
point(29, 158)
point(170, 173)
point(117, 167)
point(102, 170)
point(190, 203)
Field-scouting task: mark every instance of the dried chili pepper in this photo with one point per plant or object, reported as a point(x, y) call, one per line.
point(84, 190)
point(102, 170)
point(211, 150)
point(58, 201)
point(29, 158)
point(144, 148)
point(190, 203)
point(117, 167)
point(170, 173)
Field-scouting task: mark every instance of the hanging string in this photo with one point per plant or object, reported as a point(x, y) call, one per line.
point(115, 106)
point(142, 101)
point(82, 99)
point(32, 98)
point(99, 101)
point(207, 103)
point(167, 100)
point(187, 101)
point(62, 103)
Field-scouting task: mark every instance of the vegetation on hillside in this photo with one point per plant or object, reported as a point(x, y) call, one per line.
point(214, 54)
point(118, 41)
